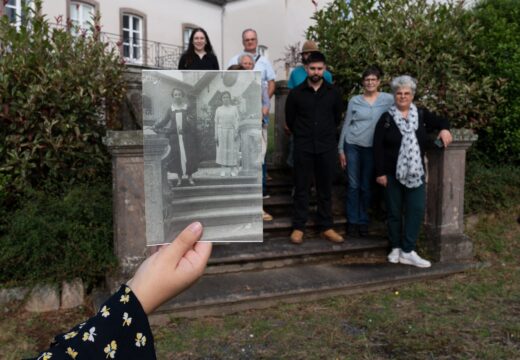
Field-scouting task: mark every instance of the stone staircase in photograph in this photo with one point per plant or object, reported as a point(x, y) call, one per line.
point(254, 275)
point(222, 204)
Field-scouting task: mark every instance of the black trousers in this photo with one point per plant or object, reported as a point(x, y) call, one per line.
point(322, 167)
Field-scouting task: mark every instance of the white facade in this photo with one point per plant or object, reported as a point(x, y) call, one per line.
point(279, 23)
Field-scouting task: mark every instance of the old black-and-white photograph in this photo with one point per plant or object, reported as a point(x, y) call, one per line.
point(203, 154)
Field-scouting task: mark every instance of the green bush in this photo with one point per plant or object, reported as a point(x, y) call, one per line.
point(57, 92)
point(501, 44)
point(433, 42)
point(490, 187)
point(54, 238)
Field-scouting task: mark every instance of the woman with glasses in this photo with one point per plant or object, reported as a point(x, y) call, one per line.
point(355, 148)
point(400, 138)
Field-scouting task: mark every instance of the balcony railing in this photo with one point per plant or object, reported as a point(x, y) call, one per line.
point(145, 52)
point(140, 52)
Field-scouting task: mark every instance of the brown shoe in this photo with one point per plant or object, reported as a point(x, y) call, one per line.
point(266, 216)
point(297, 237)
point(332, 235)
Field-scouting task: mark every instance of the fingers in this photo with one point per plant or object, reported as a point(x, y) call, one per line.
point(204, 250)
point(445, 137)
point(184, 242)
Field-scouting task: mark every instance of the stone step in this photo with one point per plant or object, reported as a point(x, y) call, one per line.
point(209, 190)
point(219, 294)
point(214, 202)
point(284, 224)
point(279, 252)
point(221, 180)
point(243, 217)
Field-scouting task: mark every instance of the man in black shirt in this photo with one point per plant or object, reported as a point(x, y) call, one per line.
point(312, 113)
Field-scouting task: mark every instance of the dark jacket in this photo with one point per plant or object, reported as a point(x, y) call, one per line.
point(189, 132)
point(208, 62)
point(387, 139)
point(313, 117)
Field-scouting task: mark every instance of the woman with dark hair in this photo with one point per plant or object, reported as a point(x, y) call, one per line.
point(355, 148)
point(199, 55)
point(178, 123)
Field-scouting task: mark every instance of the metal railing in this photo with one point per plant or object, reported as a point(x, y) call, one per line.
point(141, 52)
point(145, 52)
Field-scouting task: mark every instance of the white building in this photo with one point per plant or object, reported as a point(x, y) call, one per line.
point(155, 32)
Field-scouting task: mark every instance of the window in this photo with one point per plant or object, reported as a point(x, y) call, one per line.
point(81, 14)
point(133, 38)
point(13, 10)
point(186, 33)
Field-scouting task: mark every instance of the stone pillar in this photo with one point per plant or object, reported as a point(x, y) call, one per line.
point(131, 113)
point(126, 148)
point(279, 156)
point(251, 149)
point(444, 222)
point(156, 184)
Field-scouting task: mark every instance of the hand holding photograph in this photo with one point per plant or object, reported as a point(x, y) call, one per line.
point(202, 154)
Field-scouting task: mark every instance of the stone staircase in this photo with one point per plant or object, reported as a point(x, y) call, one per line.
point(222, 204)
point(256, 275)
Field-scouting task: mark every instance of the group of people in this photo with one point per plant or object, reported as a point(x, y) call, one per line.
point(383, 138)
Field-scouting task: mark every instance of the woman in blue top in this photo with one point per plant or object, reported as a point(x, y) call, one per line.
point(355, 148)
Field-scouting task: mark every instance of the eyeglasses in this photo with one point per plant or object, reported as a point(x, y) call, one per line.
point(371, 80)
point(248, 40)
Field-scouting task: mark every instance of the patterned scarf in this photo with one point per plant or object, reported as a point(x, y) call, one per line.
point(409, 170)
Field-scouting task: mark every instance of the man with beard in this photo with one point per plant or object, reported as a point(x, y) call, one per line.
point(313, 113)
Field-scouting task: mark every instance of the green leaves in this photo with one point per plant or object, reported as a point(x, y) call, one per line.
point(58, 92)
point(432, 42)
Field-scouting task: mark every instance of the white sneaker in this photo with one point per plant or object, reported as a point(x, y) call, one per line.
point(412, 258)
point(393, 257)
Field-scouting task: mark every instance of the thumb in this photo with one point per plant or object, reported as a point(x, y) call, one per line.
point(184, 242)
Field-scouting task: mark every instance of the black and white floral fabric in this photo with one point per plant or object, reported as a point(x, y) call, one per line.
point(120, 330)
point(409, 170)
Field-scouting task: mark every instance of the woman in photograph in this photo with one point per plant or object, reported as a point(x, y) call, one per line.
point(199, 55)
point(355, 148)
point(400, 139)
point(179, 124)
point(226, 135)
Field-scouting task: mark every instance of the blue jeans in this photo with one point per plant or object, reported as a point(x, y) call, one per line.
point(360, 173)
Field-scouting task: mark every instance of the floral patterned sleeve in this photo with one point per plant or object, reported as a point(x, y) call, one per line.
point(120, 330)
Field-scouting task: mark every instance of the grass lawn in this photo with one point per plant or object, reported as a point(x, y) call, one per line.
point(475, 315)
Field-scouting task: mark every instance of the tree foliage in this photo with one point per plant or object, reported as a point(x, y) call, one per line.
point(57, 91)
point(500, 139)
point(59, 237)
point(435, 43)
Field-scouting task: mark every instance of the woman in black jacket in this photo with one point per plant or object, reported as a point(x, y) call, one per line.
point(199, 55)
point(399, 142)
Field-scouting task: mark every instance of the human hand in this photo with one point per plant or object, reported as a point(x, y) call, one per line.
point(382, 180)
point(286, 130)
point(265, 110)
point(172, 269)
point(343, 160)
point(445, 137)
